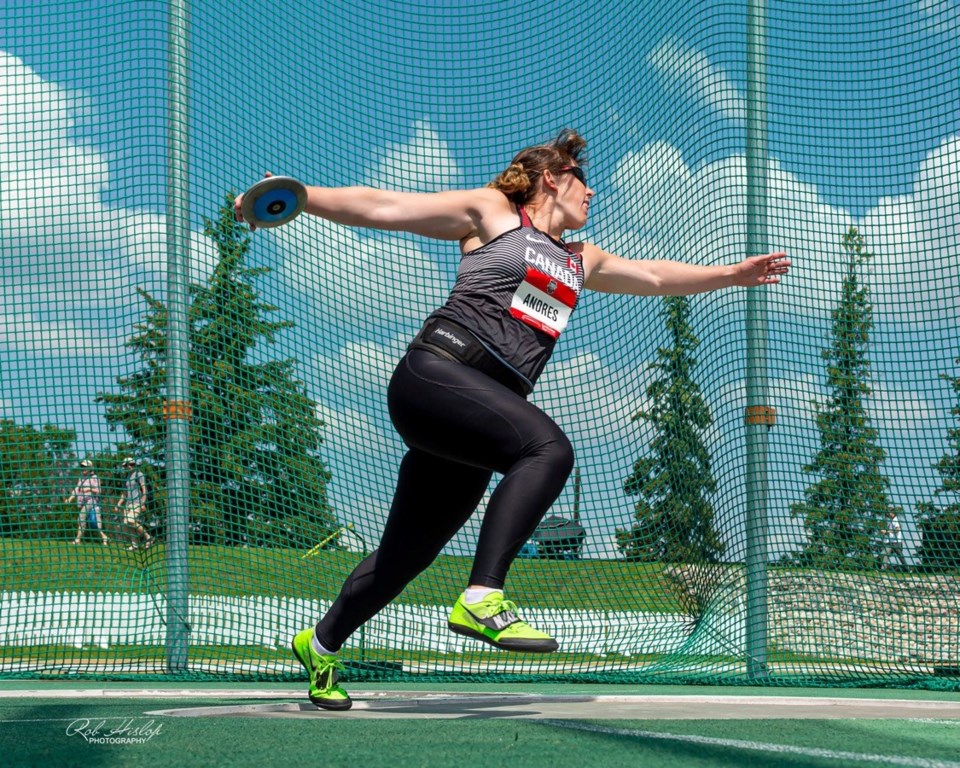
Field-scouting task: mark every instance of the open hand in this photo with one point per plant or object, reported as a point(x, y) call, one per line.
point(762, 270)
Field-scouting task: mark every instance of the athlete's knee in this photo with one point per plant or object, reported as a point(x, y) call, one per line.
point(559, 452)
point(568, 456)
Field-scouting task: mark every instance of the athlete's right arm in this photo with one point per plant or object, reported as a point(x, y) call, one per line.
point(451, 215)
point(448, 215)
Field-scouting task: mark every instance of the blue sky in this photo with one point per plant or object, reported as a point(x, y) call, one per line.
point(863, 109)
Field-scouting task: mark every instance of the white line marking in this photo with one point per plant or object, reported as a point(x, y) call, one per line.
point(297, 692)
point(151, 693)
point(756, 746)
point(931, 720)
point(68, 719)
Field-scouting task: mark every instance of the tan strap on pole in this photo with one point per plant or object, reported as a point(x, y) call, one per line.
point(760, 414)
point(177, 409)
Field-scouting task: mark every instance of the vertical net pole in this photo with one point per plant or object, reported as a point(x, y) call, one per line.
point(756, 425)
point(177, 411)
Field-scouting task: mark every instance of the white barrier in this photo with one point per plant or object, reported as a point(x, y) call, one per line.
point(105, 619)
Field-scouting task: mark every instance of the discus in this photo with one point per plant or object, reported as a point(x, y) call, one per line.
point(273, 201)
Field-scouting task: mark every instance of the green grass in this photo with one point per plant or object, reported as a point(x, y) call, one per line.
point(45, 565)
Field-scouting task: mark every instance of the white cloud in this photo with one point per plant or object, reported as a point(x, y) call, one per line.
point(590, 401)
point(658, 187)
point(24, 332)
point(65, 250)
point(349, 430)
point(944, 15)
point(915, 239)
point(895, 410)
point(358, 281)
point(890, 408)
point(142, 237)
point(794, 398)
point(365, 367)
point(700, 216)
point(424, 164)
point(690, 71)
point(51, 185)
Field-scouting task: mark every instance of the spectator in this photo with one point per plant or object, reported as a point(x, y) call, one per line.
point(133, 502)
point(87, 496)
point(893, 542)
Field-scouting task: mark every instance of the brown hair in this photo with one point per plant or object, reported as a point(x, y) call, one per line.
point(519, 181)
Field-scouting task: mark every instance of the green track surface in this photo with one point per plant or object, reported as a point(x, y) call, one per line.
point(33, 731)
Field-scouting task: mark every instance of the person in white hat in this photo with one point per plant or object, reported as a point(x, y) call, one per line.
point(87, 496)
point(133, 502)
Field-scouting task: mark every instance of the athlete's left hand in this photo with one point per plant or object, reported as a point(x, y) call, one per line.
point(762, 270)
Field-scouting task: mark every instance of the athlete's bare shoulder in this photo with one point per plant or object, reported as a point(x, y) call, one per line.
point(493, 215)
point(491, 202)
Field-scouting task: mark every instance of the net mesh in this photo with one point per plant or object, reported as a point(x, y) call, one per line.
point(652, 565)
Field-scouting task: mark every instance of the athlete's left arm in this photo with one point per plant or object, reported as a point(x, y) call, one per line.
point(609, 273)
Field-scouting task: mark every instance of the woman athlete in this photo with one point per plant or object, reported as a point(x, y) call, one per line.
point(458, 396)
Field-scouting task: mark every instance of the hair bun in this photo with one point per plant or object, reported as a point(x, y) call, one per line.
point(513, 181)
point(518, 182)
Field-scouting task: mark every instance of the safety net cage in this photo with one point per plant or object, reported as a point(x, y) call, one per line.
point(766, 482)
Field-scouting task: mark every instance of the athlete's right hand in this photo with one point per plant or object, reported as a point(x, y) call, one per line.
point(238, 202)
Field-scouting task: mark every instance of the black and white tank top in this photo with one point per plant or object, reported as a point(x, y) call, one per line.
point(516, 295)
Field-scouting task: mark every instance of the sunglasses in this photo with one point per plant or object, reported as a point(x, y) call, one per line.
point(576, 171)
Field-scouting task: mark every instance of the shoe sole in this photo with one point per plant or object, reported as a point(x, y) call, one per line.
point(321, 703)
point(517, 644)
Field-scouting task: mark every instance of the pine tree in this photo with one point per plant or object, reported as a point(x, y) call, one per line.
point(844, 511)
point(254, 433)
point(37, 470)
point(940, 526)
point(675, 519)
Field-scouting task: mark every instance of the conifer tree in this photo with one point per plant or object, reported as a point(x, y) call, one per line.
point(256, 474)
point(38, 469)
point(844, 511)
point(940, 525)
point(675, 518)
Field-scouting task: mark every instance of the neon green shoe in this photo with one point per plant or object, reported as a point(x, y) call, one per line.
point(323, 671)
point(495, 621)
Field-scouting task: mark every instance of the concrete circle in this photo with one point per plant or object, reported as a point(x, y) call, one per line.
point(420, 705)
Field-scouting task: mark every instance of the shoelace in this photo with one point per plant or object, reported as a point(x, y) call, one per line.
point(503, 606)
point(327, 667)
point(507, 605)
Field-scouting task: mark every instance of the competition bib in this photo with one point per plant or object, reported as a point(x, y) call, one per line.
point(543, 302)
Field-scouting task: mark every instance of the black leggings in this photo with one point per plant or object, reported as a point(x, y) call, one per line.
point(461, 426)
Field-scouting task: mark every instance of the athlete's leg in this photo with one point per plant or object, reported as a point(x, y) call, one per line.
point(521, 499)
point(433, 500)
point(460, 426)
point(450, 409)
